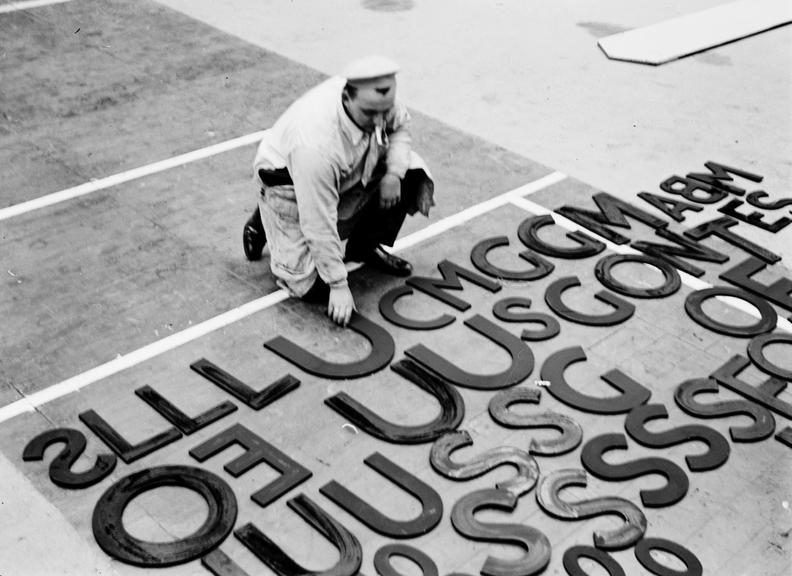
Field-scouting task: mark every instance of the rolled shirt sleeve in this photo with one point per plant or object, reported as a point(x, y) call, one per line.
point(399, 142)
point(316, 185)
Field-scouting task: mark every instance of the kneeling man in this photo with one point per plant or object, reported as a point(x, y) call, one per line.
point(337, 165)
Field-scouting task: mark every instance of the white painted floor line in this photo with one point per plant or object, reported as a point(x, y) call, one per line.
point(30, 403)
point(135, 173)
point(15, 6)
point(148, 352)
point(687, 279)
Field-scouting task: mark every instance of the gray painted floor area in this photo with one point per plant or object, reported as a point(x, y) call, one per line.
point(530, 77)
point(503, 93)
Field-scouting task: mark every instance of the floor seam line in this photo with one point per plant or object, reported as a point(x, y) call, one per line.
point(31, 402)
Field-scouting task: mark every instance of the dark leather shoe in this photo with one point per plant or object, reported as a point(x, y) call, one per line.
point(388, 263)
point(253, 237)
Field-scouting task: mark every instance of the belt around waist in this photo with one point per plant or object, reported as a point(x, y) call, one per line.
point(277, 177)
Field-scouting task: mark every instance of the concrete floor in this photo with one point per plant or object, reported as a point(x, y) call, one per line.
point(503, 93)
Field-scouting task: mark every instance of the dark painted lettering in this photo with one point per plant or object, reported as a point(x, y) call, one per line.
point(348, 546)
point(452, 409)
point(549, 498)
point(720, 228)
point(719, 176)
point(528, 232)
point(451, 273)
point(118, 444)
point(779, 291)
point(431, 504)
point(684, 249)
point(257, 450)
point(612, 212)
point(113, 538)
point(539, 266)
point(717, 446)
point(534, 543)
point(692, 189)
point(763, 424)
point(522, 482)
point(592, 457)
point(238, 389)
point(519, 368)
point(765, 393)
point(381, 353)
point(674, 208)
point(60, 468)
point(754, 218)
point(172, 414)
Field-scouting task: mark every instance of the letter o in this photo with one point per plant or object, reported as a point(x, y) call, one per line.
point(113, 538)
point(643, 554)
point(671, 280)
point(693, 306)
point(756, 354)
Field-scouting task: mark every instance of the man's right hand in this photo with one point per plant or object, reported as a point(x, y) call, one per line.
point(340, 305)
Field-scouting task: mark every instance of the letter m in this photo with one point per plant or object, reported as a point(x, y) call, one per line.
point(720, 175)
point(612, 212)
point(451, 273)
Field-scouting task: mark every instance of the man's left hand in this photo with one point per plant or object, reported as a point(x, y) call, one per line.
point(389, 191)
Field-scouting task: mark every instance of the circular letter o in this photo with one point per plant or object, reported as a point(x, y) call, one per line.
point(113, 538)
point(693, 306)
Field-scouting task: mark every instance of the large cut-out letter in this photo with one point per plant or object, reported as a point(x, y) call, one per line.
point(754, 218)
point(503, 310)
point(535, 544)
point(622, 310)
point(720, 229)
point(257, 450)
point(765, 393)
point(383, 565)
point(643, 552)
point(571, 432)
point(671, 279)
point(548, 496)
point(527, 467)
point(528, 232)
point(431, 504)
point(452, 409)
point(348, 546)
point(632, 393)
point(720, 174)
point(387, 307)
point(763, 421)
point(676, 480)
point(519, 369)
point(779, 291)
point(717, 446)
point(382, 349)
point(172, 414)
point(674, 208)
point(573, 555)
point(757, 356)
point(478, 256)
point(694, 306)
point(612, 212)
point(60, 468)
point(451, 273)
point(685, 249)
point(117, 542)
point(240, 390)
point(118, 444)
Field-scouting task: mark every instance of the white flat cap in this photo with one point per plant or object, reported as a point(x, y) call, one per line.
point(368, 68)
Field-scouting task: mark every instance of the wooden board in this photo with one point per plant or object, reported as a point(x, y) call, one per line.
point(679, 37)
